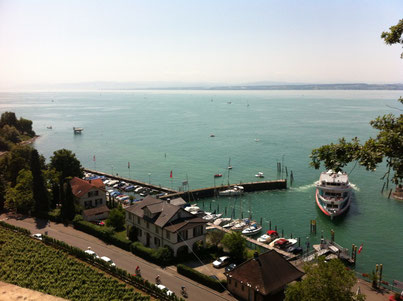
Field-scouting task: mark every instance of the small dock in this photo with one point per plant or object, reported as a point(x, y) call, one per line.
point(131, 181)
point(196, 194)
point(286, 255)
point(77, 130)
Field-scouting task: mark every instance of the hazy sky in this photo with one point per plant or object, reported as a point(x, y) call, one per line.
point(218, 41)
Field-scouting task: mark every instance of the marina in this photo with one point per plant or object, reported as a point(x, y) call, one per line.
point(289, 125)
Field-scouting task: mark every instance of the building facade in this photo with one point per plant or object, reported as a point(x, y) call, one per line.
point(158, 223)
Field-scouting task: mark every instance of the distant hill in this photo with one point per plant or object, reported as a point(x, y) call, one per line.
point(357, 86)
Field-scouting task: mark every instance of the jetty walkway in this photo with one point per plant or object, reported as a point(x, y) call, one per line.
point(131, 181)
point(196, 194)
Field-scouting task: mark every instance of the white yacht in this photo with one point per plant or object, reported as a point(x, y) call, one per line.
point(333, 193)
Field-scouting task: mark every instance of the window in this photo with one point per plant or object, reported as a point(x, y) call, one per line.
point(197, 231)
point(98, 202)
point(168, 235)
point(139, 232)
point(138, 220)
point(148, 225)
point(157, 230)
point(157, 242)
point(243, 287)
point(182, 236)
point(88, 204)
point(93, 193)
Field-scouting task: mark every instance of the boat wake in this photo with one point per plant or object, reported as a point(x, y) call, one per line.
point(303, 187)
point(355, 187)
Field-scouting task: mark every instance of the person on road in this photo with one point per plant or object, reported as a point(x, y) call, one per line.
point(158, 279)
point(138, 272)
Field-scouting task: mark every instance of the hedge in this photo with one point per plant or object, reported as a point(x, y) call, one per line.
point(104, 233)
point(201, 278)
point(162, 256)
point(15, 228)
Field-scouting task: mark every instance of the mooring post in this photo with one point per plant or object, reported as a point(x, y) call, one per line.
point(299, 241)
point(275, 228)
point(261, 221)
point(380, 272)
point(282, 233)
point(332, 235)
point(383, 187)
point(291, 235)
point(390, 192)
point(218, 208)
point(225, 210)
point(269, 225)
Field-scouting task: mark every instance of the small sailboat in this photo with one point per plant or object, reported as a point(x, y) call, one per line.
point(229, 163)
point(212, 135)
point(218, 175)
point(259, 175)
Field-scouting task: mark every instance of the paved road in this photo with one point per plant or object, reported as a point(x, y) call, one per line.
point(123, 259)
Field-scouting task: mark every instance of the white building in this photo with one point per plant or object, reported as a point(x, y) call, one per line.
point(158, 223)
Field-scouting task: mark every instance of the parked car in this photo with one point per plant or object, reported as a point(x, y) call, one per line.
point(165, 289)
point(230, 267)
point(91, 253)
point(108, 260)
point(37, 236)
point(221, 261)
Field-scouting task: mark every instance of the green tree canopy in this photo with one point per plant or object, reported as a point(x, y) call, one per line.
point(116, 219)
point(68, 210)
point(65, 162)
point(20, 198)
point(15, 160)
point(388, 144)
point(40, 192)
point(324, 281)
point(8, 118)
point(236, 245)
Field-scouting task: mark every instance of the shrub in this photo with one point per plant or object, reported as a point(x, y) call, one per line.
point(162, 256)
point(201, 278)
point(104, 233)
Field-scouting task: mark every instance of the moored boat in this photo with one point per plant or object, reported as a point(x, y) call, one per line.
point(259, 175)
point(236, 190)
point(333, 193)
point(252, 229)
point(218, 175)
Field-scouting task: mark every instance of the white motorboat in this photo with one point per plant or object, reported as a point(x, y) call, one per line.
point(222, 221)
point(333, 193)
point(236, 190)
point(252, 230)
point(259, 175)
point(264, 238)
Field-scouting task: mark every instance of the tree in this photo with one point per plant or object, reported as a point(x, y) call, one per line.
point(67, 210)
point(116, 219)
point(25, 127)
point(10, 133)
point(65, 162)
point(236, 245)
point(8, 118)
point(14, 161)
point(40, 192)
point(4, 145)
point(388, 144)
point(215, 237)
point(20, 198)
point(324, 281)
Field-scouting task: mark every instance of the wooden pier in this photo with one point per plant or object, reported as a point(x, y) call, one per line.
point(131, 181)
point(196, 194)
point(286, 255)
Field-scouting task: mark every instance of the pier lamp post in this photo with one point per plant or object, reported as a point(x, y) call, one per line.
point(149, 178)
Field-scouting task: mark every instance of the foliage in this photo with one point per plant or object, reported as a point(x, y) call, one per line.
point(67, 210)
point(324, 281)
point(235, 242)
point(105, 233)
point(13, 131)
point(20, 198)
point(201, 278)
point(116, 219)
point(387, 145)
point(395, 34)
point(65, 162)
point(162, 256)
point(40, 193)
point(215, 237)
point(11, 163)
point(4, 144)
point(31, 264)
point(10, 133)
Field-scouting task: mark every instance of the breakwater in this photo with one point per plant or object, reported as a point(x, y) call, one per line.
point(196, 194)
point(131, 181)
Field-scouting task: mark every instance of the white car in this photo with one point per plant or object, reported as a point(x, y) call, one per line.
point(37, 236)
point(108, 260)
point(165, 289)
point(91, 253)
point(220, 262)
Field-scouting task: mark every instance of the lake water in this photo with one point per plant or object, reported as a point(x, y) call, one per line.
point(160, 131)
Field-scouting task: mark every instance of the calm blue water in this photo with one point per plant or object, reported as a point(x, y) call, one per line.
point(160, 131)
